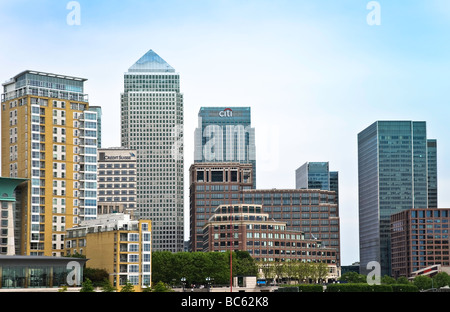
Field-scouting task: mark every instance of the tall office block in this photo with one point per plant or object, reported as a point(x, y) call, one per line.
point(152, 124)
point(49, 137)
point(224, 134)
point(317, 175)
point(394, 168)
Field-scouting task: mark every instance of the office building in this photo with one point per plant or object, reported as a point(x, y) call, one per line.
point(247, 228)
point(394, 170)
point(211, 185)
point(224, 134)
point(310, 211)
point(116, 181)
point(152, 125)
point(317, 175)
point(117, 244)
point(49, 137)
point(419, 239)
point(313, 212)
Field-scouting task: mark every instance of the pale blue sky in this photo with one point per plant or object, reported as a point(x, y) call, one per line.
point(314, 72)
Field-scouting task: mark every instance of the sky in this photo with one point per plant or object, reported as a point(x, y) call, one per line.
point(314, 72)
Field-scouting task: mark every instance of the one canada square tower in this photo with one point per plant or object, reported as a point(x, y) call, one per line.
point(152, 124)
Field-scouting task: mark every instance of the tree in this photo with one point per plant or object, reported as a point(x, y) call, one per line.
point(267, 270)
point(441, 279)
point(403, 280)
point(128, 287)
point(303, 271)
point(322, 270)
point(107, 286)
point(87, 286)
point(353, 277)
point(97, 276)
point(388, 280)
point(161, 287)
point(278, 270)
point(423, 282)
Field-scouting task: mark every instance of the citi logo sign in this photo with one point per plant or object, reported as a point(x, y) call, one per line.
point(227, 112)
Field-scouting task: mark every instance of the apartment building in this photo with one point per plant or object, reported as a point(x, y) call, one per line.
point(49, 137)
point(117, 243)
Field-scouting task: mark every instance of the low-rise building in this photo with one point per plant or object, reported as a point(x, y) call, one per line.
point(247, 228)
point(118, 244)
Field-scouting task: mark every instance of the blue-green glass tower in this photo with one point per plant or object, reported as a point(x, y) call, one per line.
point(317, 175)
point(224, 134)
point(395, 164)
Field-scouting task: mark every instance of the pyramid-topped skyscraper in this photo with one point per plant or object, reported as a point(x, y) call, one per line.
point(151, 62)
point(152, 124)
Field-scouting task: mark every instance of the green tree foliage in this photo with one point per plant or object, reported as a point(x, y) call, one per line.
point(170, 267)
point(161, 287)
point(299, 271)
point(96, 276)
point(107, 286)
point(353, 277)
point(441, 279)
point(423, 282)
point(87, 286)
point(128, 287)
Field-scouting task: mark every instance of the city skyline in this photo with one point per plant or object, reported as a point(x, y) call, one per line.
point(335, 73)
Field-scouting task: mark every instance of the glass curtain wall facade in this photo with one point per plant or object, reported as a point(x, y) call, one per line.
point(224, 134)
point(152, 125)
point(393, 173)
point(317, 175)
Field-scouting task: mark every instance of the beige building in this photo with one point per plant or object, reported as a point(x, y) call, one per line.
point(116, 180)
point(49, 137)
point(118, 244)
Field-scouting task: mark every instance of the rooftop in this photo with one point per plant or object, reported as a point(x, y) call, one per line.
point(151, 62)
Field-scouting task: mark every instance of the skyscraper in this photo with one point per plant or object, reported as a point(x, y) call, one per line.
point(49, 137)
point(317, 175)
point(394, 170)
point(152, 125)
point(224, 134)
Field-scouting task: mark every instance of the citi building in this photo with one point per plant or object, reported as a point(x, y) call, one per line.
point(224, 134)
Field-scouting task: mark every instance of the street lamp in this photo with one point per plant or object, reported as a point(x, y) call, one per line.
point(208, 281)
point(183, 281)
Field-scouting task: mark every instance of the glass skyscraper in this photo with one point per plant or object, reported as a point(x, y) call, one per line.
point(317, 175)
point(152, 124)
point(224, 134)
point(396, 169)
